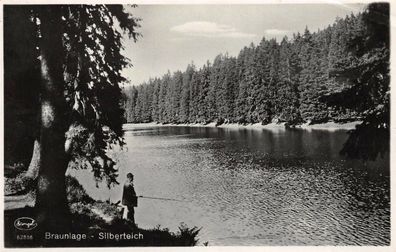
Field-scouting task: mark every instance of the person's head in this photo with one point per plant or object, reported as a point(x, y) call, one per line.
point(130, 176)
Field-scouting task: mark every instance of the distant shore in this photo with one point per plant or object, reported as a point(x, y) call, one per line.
point(329, 126)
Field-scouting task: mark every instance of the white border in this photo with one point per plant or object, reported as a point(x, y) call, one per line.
point(390, 248)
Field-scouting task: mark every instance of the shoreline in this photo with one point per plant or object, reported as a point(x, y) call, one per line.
point(329, 126)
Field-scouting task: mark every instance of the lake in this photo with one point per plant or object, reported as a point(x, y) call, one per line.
point(253, 186)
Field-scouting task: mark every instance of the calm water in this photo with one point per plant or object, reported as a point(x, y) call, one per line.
point(254, 187)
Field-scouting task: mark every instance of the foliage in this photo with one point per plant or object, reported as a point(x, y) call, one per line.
point(367, 81)
point(93, 64)
point(76, 192)
point(188, 235)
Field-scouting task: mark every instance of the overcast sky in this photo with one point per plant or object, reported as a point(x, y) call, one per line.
point(176, 35)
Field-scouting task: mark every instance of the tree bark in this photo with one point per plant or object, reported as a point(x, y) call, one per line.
point(34, 166)
point(51, 202)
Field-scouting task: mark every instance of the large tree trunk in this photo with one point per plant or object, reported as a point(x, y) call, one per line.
point(51, 202)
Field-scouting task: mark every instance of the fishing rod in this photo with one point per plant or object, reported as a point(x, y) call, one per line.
point(159, 198)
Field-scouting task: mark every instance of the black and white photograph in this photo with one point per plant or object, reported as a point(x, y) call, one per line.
point(226, 124)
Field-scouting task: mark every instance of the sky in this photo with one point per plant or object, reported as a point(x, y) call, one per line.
point(174, 36)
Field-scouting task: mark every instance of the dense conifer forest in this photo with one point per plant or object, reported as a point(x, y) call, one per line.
point(288, 81)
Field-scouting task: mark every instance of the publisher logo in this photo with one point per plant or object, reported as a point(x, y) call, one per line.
point(25, 223)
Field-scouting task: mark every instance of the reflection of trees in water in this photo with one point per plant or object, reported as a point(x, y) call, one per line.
point(313, 157)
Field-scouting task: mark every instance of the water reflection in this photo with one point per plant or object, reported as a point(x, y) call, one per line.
point(256, 187)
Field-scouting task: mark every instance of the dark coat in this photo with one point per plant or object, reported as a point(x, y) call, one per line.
point(129, 195)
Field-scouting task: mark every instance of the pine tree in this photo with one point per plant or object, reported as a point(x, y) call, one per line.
point(185, 94)
point(204, 76)
point(288, 93)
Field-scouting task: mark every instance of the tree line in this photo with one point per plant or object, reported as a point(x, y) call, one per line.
point(271, 81)
point(340, 73)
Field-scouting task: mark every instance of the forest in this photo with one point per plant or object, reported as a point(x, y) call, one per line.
point(290, 81)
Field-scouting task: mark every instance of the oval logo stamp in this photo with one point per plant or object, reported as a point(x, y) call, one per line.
point(25, 223)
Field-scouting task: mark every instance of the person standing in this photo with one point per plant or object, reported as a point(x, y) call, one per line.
point(129, 198)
